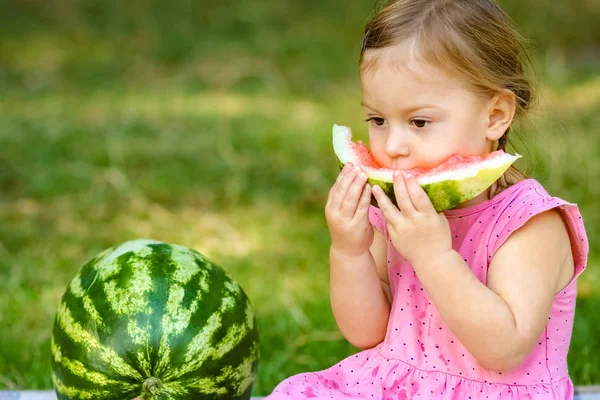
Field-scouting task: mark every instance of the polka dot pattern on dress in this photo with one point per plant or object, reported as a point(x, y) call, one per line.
point(420, 357)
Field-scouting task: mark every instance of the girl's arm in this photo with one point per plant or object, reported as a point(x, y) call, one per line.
point(500, 324)
point(359, 298)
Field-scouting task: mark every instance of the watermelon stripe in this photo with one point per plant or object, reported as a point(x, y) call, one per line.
point(235, 333)
point(79, 335)
point(114, 336)
point(71, 375)
point(176, 390)
point(242, 372)
point(247, 350)
point(186, 264)
point(210, 386)
point(240, 375)
point(160, 270)
point(140, 337)
point(121, 295)
point(178, 313)
point(132, 298)
point(117, 332)
point(209, 296)
point(201, 347)
point(77, 368)
point(217, 360)
point(177, 317)
point(82, 381)
point(78, 291)
point(134, 322)
point(241, 340)
point(143, 357)
point(86, 379)
point(70, 349)
point(131, 334)
point(72, 393)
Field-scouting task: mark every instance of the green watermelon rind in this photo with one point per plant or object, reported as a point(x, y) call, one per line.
point(445, 195)
point(168, 298)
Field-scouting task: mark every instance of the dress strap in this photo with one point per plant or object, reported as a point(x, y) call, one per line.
point(535, 201)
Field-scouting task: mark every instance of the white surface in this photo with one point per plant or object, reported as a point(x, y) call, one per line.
point(49, 395)
point(39, 395)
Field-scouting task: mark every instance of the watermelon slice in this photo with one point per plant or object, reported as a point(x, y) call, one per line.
point(451, 183)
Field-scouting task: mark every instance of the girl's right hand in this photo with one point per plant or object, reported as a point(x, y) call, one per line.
point(347, 212)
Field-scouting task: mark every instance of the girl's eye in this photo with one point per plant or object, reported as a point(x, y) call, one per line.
point(376, 120)
point(420, 123)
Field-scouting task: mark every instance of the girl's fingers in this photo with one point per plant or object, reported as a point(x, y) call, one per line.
point(353, 195)
point(403, 199)
point(365, 201)
point(418, 196)
point(390, 212)
point(336, 184)
point(338, 191)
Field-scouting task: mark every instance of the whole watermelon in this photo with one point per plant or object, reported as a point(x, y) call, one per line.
point(150, 320)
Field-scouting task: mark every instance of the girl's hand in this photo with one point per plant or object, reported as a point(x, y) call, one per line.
point(417, 231)
point(347, 212)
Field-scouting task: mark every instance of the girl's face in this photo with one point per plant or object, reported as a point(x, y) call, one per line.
point(418, 115)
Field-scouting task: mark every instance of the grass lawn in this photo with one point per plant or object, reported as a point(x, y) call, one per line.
point(210, 127)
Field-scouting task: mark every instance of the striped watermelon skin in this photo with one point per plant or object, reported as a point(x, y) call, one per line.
point(151, 320)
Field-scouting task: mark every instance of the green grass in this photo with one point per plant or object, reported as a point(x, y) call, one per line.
point(210, 127)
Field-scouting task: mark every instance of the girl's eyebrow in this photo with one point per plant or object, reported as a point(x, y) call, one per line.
point(407, 110)
point(362, 103)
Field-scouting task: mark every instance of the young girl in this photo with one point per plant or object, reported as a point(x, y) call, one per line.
point(473, 303)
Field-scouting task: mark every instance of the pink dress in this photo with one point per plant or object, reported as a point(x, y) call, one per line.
point(420, 357)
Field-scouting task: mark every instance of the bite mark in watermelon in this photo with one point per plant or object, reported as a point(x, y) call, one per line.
point(449, 184)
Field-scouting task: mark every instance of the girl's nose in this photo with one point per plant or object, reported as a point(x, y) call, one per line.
point(396, 145)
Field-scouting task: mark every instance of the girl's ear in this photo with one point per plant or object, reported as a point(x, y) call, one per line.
point(501, 111)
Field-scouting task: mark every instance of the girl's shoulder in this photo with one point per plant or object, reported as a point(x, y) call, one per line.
point(514, 207)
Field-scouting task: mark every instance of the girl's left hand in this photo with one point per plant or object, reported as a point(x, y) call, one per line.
point(417, 231)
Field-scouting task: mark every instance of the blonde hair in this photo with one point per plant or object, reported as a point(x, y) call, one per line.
point(471, 39)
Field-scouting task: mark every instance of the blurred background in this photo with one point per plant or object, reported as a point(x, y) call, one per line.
point(208, 124)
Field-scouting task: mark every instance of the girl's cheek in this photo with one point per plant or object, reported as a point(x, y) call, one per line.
point(377, 149)
point(379, 157)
